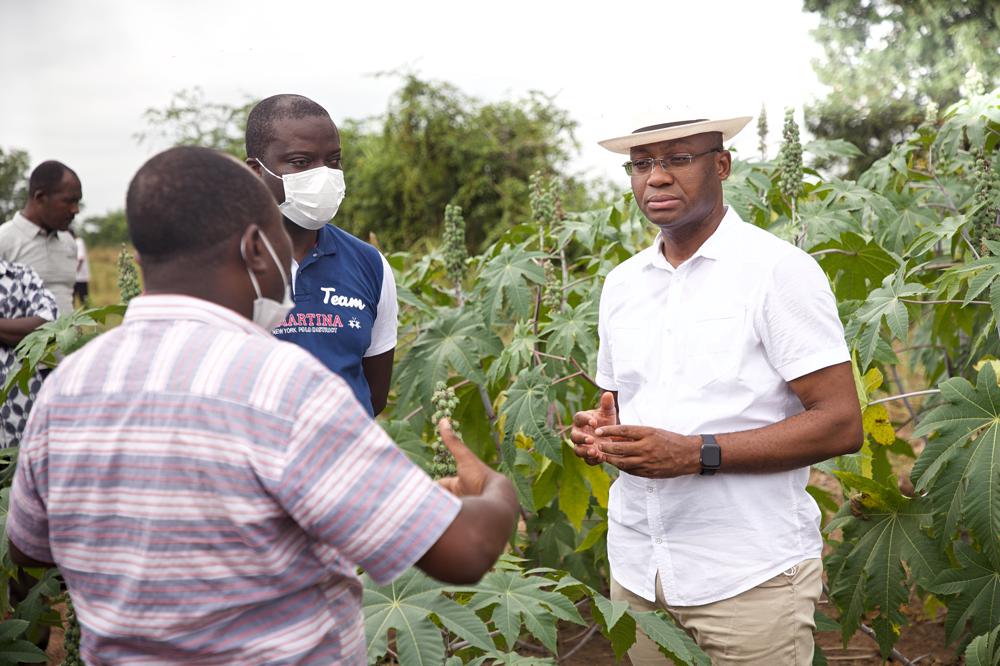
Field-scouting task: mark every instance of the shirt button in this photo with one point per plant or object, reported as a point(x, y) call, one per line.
point(659, 540)
point(649, 489)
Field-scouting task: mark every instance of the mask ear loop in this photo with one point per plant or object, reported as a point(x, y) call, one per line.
point(253, 278)
point(268, 170)
point(274, 256)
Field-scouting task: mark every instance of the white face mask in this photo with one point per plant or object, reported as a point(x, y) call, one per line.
point(311, 197)
point(269, 313)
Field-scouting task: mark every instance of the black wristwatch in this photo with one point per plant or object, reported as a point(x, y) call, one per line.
point(711, 455)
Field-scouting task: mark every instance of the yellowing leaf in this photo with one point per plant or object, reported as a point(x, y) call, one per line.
point(600, 483)
point(593, 536)
point(872, 380)
point(522, 441)
point(544, 489)
point(866, 459)
point(875, 420)
point(574, 498)
point(993, 362)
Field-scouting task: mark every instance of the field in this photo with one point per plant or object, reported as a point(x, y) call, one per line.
point(103, 275)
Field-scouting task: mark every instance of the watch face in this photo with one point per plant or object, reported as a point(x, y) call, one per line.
point(711, 456)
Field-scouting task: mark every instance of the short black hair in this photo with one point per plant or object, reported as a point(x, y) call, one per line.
point(47, 177)
point(186, 201)
point(260, 122)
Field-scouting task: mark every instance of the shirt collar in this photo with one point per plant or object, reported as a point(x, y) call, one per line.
point(27, 228)
point(159, 307)
point(326, 241)
point(716, 246)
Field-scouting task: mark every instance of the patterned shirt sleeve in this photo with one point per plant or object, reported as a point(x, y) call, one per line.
point(27, 520)
point(349, 486)
point(37, 300)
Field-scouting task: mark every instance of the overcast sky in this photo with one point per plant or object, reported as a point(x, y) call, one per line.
point(76, 77)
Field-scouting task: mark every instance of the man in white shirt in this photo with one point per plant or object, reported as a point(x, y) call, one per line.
point(38, 235)
point(726, 376)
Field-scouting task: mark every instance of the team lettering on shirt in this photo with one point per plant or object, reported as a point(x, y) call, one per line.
point(321, 322)
point(329, 298)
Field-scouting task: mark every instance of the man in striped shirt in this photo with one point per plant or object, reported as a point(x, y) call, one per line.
point(208, 491)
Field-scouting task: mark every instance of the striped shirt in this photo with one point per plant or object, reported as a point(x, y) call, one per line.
point(208, 493)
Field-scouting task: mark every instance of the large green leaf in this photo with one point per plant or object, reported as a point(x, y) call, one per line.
point(410, 443)
point(517, 599)
point(962, 465)
point(866, 571)
point(912, 217)
point(456, 341)
point(984, 650)
point(406, 606)
point(572, 332)
point(505, 283)
point(21, 652)
point(615, 622)
point(848, 195)
point(975, 120)
point(674, 642)
point(982, 275)
point(574, 497)
point(516, 355)
point(855, 265)
point(976, 586)
point(526, 410)
point(885, 302)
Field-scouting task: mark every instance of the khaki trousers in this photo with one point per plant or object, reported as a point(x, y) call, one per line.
point(769, 625)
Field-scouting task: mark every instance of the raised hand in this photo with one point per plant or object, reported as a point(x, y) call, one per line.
point(472, 473)
point(586, 422)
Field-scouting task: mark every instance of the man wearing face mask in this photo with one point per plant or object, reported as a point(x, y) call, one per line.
point(344, 292)
point(209, 491)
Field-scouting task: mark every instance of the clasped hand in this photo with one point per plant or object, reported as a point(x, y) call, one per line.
point(638, 450)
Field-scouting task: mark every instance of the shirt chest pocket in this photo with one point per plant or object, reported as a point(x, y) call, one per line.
point(714, 343)
point(628, 354)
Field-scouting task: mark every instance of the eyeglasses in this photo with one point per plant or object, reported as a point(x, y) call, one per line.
point(678, 162)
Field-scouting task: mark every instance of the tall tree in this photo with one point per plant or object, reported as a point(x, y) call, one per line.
point(192, 120)
point(110, 229)
point(886, 60)
point(433, 146)
point(439, 146)
point(14, 165)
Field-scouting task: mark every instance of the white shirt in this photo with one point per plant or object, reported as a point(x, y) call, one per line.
point(82, 264)
point(708, 347)
point(51, 255)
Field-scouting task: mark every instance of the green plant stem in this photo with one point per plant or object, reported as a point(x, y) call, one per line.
point(943, 302)
point(895, 655)
point(491, 415)
point(903, 396)
point(565, 273)
point(833, 250)
point(587, 635)
point(562, 379)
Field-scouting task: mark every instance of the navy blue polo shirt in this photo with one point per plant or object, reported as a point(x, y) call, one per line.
point(345, 307)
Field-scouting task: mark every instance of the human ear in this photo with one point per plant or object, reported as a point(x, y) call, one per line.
point(252, 249)
point(724, 164)
point(253, 165)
